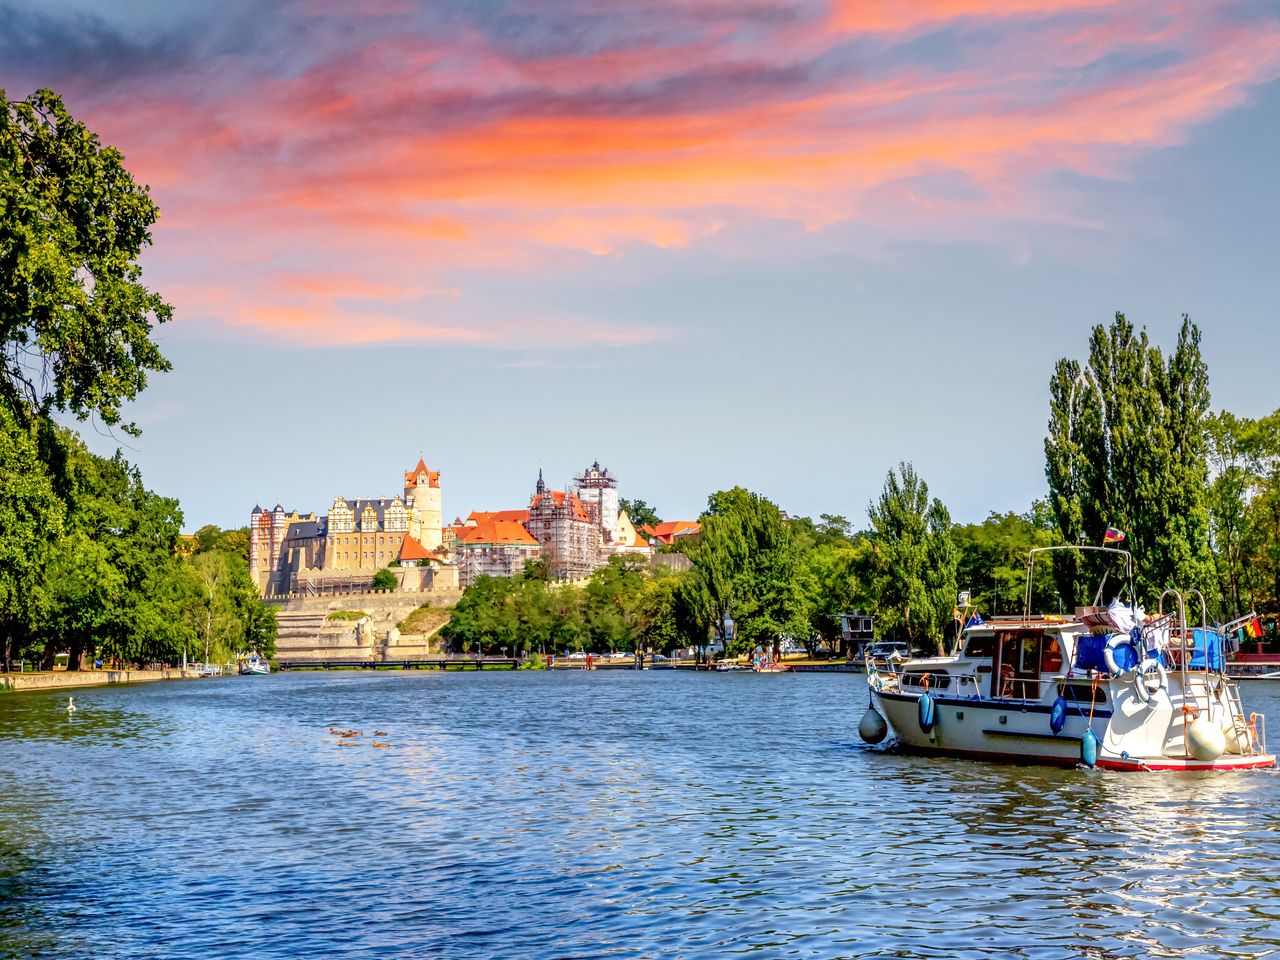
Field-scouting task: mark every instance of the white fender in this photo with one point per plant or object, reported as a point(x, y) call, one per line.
point(1142, 679)
point(1109, 653)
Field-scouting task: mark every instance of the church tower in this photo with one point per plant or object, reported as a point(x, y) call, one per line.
point(426, 519)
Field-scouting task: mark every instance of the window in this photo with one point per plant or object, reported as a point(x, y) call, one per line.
point(1079, 693)
point(980, 645)
point(937, 681)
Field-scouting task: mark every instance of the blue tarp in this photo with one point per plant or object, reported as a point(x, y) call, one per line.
point(1089, 653)
point(1198, 652)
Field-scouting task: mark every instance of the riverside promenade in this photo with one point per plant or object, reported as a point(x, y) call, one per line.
point(72, 679)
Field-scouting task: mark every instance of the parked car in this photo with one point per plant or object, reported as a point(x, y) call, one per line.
point(888, 650)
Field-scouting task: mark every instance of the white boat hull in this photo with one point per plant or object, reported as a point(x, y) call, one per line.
point(1132, 736)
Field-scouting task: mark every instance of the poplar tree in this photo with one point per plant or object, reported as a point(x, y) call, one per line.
point(1126, 448)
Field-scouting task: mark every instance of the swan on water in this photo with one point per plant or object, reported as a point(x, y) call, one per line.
point(71, 704)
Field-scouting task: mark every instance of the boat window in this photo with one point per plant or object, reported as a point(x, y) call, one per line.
point(1079, 693)
point(937, 681)
point(981, 645)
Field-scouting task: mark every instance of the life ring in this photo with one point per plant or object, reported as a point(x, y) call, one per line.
point(1109, 654)
point(1141, 685)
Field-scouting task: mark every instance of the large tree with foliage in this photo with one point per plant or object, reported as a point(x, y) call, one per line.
point(1244, 510)
point(916, 582)
point(31, 524)
point(75, 319)
point(747, 562)
point(992, 561)
point(641, 513)
point(1126, 448)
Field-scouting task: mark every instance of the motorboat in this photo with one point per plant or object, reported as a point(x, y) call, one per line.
point(254, 666)
point(1107, 686)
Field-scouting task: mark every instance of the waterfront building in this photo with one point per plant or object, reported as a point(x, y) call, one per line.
point(303, 553)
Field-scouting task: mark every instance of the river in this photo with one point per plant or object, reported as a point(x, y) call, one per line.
point(604, 814)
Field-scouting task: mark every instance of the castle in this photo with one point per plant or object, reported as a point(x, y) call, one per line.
point(302, 553)
point(572, 532)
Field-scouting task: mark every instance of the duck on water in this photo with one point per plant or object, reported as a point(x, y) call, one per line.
point(1108, 687)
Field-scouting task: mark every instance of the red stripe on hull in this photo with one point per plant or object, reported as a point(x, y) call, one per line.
point(1122, 766)
point(1252, 763)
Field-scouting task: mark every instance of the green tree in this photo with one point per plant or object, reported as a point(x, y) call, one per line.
point(611, 603)
point(837, 580)
point(916, 583)
point(641, 513)
point(1126, 447)
point(992, 561)
point(75, 319)
point(484, 616)
point(747, 563)
point(719, 556)
point(31, 524)
point(121, 537)
point(771, 599)
point(384, 579)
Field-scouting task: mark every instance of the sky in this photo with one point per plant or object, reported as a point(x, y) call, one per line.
point(704, 242)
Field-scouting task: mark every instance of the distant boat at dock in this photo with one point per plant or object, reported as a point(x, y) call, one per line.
point(254, 666)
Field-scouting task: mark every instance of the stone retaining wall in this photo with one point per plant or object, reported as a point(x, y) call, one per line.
point(70, 679)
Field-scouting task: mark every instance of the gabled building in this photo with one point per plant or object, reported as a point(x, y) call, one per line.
point(293, 553)
point(492, 548)
point(669, 531)
point(568, 535)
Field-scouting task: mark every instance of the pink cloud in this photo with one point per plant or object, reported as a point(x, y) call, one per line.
point(383, 172)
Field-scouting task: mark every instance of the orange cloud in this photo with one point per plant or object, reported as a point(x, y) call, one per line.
point(405, 169)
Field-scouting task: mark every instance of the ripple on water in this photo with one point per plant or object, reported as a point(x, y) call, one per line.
point(592, 815)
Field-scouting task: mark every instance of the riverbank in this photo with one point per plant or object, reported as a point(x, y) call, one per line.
point(73, 679)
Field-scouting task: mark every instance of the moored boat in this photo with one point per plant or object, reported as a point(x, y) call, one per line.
point(253, 665)
point(1107, 687)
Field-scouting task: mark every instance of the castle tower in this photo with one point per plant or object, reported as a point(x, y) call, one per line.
point(599, 491)
point(426, 517)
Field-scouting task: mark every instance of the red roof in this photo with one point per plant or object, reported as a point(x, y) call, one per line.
point(558, 497)
point(411, 476)
point(411, 549)
point(497, 531)
point(669, 530)
point(516, 516)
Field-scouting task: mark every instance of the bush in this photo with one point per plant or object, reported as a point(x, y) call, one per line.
point(347, 614)
point(384, 579)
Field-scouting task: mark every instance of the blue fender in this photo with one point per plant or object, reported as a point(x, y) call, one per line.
point(1089, 749)
point(1058, 715)
point(926, 712)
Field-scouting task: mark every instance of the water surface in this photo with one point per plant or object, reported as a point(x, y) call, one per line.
point(605, 814)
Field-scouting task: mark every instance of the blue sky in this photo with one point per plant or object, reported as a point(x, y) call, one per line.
point(782, 246)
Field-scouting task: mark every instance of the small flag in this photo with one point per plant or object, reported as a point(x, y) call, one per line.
point(955, 615)
point(1253, 629)
point(975, 621)
point(1113, 536)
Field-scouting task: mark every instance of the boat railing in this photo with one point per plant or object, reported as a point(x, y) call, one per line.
point(1082, 548)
